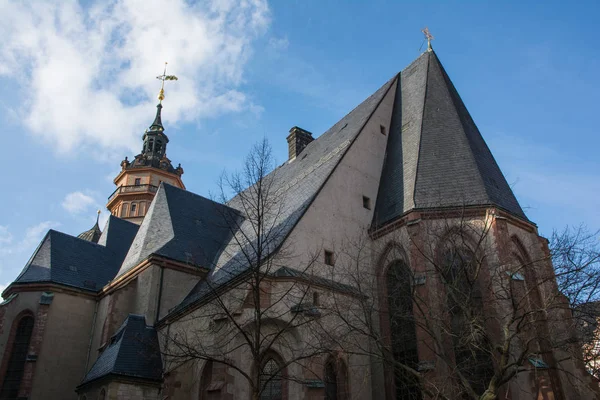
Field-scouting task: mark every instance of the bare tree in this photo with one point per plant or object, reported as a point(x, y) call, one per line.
point(255, 313)
point(478, 312)
point(576, 259)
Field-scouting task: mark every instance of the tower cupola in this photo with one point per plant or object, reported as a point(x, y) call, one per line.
point(140, 178)
point(155, 140)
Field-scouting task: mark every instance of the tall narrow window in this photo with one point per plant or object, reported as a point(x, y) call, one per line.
point(329, 257)
point(465, 304)
point(138, 181)
point(206, 380)
point(18, 356)
point(366, 202)
point(133, 208)
point(331, 392)
point(102, 395)
point(270, 381)
point(403, 330)
point(335, 378)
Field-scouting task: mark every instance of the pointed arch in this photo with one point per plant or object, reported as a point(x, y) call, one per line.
point(335, 377)
point(395, 282)
point(273, 377)
point(403, 332)
point(461, 263)
point(15, 354)
point(206, 380)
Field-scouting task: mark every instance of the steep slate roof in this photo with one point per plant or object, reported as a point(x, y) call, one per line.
point(298, 182)
point(118, 235)
point(435, 156)
point(182, 226)
point(132, 352)
point(71, 261)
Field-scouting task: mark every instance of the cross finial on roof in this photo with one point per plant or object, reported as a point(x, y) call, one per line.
point(428, 36)
point(164, 77)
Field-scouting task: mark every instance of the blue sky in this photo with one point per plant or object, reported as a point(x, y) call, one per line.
point(79, 89)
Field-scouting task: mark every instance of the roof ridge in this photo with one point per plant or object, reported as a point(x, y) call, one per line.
point(414, 190)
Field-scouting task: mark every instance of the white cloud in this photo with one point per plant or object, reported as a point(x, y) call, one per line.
point(88, 73)
point(77, 202)
point(34, 234)
point(31, 238)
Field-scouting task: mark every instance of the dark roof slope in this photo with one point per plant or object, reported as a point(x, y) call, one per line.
point(436, 156)
point(118, 235)
point(132, 352)
point(182, 226)
point(71, 261)
point(297, 183)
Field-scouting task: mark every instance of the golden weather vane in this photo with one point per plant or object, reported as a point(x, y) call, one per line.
point(428, 36)
point(164, 77)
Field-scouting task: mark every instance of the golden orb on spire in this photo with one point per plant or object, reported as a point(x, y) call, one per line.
point(164, 77)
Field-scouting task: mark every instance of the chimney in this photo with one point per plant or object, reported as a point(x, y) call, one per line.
point(298, 139)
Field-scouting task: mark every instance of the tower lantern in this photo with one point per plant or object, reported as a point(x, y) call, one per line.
point(140, 178)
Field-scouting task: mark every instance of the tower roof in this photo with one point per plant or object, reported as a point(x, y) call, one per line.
point(157, 124)
point(436, 157)
point(93, 234)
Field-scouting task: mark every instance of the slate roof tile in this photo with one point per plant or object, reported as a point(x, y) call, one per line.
point(133, 352)
point(297, 182)
point(436, 156)
point(71, 261)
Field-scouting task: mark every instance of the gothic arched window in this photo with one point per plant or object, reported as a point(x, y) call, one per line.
point(464, 301)
point(403, 330)
point(270, 380)
point(330, 382)
point(18, 356)
point(102, 395)
point(335, 378)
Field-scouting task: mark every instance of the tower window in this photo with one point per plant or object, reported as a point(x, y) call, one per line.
point(366, 202)
point(138, 181)
point(329, 257)
point(382, 129)
point(133, 208)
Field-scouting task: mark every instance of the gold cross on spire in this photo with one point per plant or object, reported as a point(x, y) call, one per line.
point(428, 36)
point(164, 77)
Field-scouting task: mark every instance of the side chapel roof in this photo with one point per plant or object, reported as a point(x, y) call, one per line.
point(71, 261)
point(132, 352)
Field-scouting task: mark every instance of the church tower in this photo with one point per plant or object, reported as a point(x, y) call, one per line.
point(139, 179)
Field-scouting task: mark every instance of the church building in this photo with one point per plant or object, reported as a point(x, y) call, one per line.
point(126, 311)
